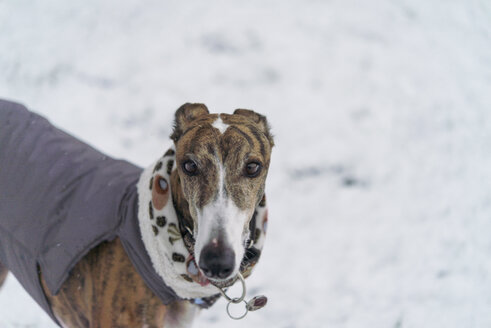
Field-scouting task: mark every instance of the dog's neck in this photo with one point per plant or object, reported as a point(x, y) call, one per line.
point(167, 231)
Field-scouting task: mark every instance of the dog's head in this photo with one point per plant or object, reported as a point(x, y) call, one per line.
point(222, 162)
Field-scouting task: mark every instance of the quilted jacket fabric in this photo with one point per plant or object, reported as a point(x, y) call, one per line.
point(59, 198)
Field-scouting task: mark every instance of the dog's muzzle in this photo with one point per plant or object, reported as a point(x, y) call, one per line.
point(217, 261)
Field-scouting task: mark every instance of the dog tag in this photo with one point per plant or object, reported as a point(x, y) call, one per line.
point(256, 303)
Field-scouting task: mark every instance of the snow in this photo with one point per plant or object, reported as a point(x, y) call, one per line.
point(379, 189)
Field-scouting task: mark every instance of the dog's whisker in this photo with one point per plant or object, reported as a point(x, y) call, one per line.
point(189, 230)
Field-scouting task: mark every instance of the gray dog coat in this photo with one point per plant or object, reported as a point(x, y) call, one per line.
point(59, 198)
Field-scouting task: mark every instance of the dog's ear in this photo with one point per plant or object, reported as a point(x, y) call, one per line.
point(258, 119)
point(185, 115)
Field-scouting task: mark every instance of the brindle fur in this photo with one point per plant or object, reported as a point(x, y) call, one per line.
point(247, 138)
point(104, 289)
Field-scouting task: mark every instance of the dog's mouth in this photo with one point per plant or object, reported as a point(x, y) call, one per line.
point(199, 277)
point(251, 257)
point(192, 269)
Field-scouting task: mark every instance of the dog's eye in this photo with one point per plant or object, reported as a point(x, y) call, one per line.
point(252, 169)
point(190, 168)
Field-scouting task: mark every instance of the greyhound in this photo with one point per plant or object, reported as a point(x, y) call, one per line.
point(99, 242)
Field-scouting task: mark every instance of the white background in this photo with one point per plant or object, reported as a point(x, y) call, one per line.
point(380, 185)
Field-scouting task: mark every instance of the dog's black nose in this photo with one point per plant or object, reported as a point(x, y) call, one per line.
point(217, 261)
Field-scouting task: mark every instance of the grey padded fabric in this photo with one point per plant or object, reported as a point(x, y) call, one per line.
point(59, 198)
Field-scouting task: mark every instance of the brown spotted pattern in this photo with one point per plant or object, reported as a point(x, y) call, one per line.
point(170, 164)
point(174, 233)
point(176, 257)
point(150, 210)
point(160, 192)
point(169, 152)
point(157, 167)
point(161, 221)
point(186, 277)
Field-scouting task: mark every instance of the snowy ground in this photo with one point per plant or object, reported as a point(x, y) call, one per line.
point(379, 191)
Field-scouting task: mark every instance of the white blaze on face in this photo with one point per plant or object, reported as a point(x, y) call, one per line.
point(222, 217)
point(218, 124)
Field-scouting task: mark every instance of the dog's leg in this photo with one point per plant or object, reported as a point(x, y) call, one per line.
point(3, 274)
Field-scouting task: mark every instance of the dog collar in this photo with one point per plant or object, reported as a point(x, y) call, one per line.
point(169, 241)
